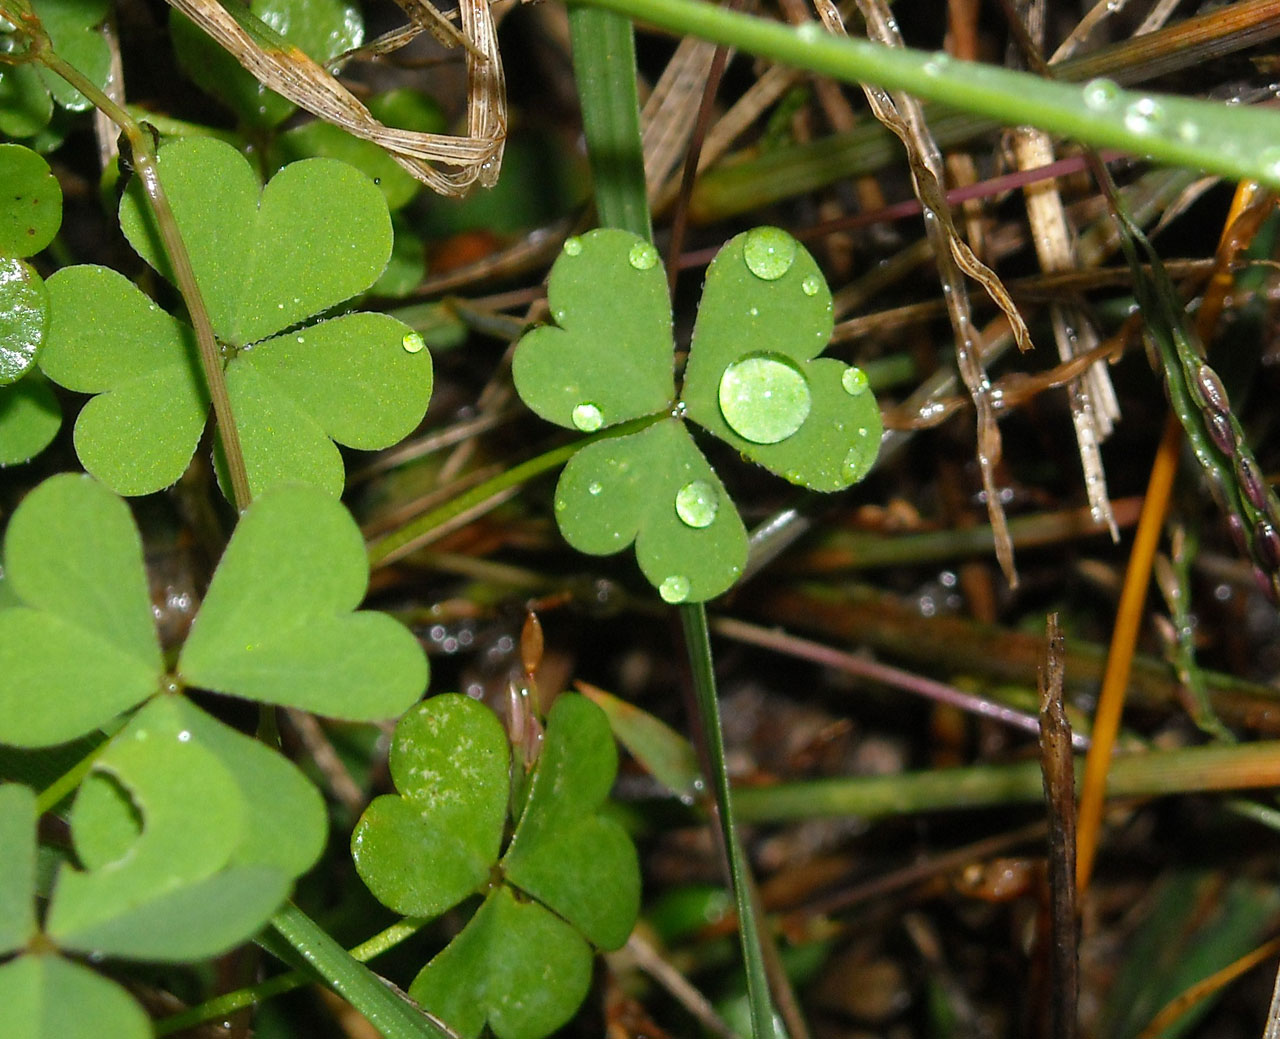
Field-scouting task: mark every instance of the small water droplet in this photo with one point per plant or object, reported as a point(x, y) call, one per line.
point(697, 503)
point(561, 505)
point(587, 417)
point(857, 463)
point(810, 32)
point(811, 285)
point(769, 252)
point(854, 381)
point(675, 588)
point(764, 398)
point(184, 736)
point(643, 256)
point(1100, 94)
point(1143, 116)
point(1270, 159)
point(594, 488)
point(413, 342)
point(573, 246)
point(1189, 131)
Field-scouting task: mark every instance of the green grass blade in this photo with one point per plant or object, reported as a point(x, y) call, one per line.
point(1218, 138)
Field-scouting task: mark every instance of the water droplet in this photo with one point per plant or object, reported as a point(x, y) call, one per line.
point(643, 256)
point(811, 285)
point(1143, 116)
point(184, 736)
point(857, 463)
point(561, 505)
point(594, 488)
point(1270, 159)
point(573, 246)
point(854, 381)
point(769, 252)
point(1189, 131)
point(697, 503)
point(587, 417)
point(1100, 94)
point(413, 342)
point(764, 398)
point(811, 32)
point(674, 588)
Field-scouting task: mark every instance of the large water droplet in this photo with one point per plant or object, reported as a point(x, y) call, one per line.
point(1100, 94)
point(587, 417)
point(643, 256)
point(764, 398)
point(573, 246)
point(697, 503)
point(412, 342)
point(1143, 116)
point(769, 252)
point(675, 588)
point(854, 381)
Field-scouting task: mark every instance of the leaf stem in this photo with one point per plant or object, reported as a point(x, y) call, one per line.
point(147, 169)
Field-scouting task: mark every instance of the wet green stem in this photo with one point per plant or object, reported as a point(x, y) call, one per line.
point(145, 166)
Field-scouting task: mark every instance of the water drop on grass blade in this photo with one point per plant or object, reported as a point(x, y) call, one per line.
point(697, 504)
point(1100, 94)
point(764, 399)
point(769, 252)
point(587, 417)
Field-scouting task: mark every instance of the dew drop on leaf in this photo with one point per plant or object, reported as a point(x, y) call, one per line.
point(573, 246)
point(857, 463)
point(1100, 94)
point(594, 488)
point(854, 381)
point(764, 398)
point(643, 256)
point(675, 588)
point(413, 342)
point(587, 417)
point(697, 503)
point(811, 285)
point(769, 252)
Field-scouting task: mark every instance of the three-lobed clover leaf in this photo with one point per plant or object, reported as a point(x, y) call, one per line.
point(277, 624)
point(754, 379)
point(569, 876)
point(270, 263)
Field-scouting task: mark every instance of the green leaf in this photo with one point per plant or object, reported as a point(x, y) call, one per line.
point(319, 139)
point(752, 377)
point(106, 337)
point(73, 30)
point(515, 966)
point(18, 819)
point(265, 259)
point(608, 358)
point(29, 419)
point(277, 624)
point(25, 104)
point(564, 852)
point(24, 316)
point(424, 850)
point(321, 28)
point(667, 756)
point(178, 891)
point(32, 202)
point(352, 379)
point(82, 647)
point(47, 997)
point(655, 488)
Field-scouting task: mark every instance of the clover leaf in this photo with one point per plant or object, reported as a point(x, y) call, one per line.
point(27, 91)
point(268, 262)
point(30, 212)
point(568, 878)
point(754, 380)
point(277, 623)
point(48, 997)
